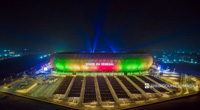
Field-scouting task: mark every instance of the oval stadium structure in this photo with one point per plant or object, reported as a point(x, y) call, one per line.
point(101, 62)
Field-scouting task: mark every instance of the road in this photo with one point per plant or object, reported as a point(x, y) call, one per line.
point(185, 103)
point(44, 90)
point(11, 102)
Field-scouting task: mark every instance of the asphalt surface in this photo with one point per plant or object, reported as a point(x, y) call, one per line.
point(44, 90)
point(11, 102)
point(185, 103)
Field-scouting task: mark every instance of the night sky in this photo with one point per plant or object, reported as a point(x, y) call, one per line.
point(104, 25)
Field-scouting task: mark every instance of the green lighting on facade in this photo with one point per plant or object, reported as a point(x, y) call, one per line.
point(81, 64)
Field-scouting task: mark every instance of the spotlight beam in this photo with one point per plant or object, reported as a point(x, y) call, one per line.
point(166, 38)
point(152, 42)
point(109, 45)
point(97, 33)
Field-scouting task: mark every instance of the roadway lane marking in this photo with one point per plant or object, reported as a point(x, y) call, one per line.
point(51, 89)
point(36, 93)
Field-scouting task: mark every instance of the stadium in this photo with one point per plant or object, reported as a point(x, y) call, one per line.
point(107, 80)
point(101, 62)
point(103, 81)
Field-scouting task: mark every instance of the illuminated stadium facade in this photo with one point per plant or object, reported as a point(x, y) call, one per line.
point(101, 62)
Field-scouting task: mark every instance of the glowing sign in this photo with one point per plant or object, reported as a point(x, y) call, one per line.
point(107, 64)
point(98, 64)
point(90, 64)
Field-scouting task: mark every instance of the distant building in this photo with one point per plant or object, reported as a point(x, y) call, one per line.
point(11, 53)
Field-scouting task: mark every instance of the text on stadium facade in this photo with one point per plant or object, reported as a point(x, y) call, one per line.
point(99, 64)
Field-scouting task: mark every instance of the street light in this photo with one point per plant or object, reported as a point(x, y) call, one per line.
point(4, 81)
point(11, 78)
